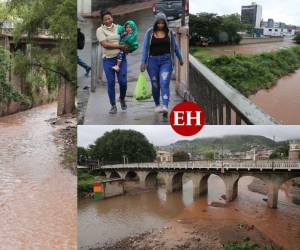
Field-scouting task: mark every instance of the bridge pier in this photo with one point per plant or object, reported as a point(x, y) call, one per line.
point(172, 180)
point(200, 186)
point(231, 186)
point(273, 183)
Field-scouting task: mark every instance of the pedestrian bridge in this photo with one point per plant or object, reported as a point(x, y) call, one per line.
point(272, 173)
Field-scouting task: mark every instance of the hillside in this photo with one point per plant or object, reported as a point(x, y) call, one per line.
point(234, 143)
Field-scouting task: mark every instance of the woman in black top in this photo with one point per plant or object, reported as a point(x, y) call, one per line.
point(158, 57)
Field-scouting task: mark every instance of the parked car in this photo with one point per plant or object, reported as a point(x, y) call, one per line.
point(172, 8)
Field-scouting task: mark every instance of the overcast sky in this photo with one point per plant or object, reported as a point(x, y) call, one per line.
point(287, 11)
point(164, 135)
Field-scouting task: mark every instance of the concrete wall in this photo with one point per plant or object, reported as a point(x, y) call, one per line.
point(84, 6)
point(261, 40)
point(113, 188)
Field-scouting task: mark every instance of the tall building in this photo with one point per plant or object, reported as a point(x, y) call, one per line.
point(270, 23)
point(252, 14)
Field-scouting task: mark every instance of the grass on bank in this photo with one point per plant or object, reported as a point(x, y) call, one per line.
point(247, 244)
point(86, 180)
point(249, 73)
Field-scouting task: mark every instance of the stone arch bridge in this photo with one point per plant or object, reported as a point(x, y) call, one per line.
point(272, 173)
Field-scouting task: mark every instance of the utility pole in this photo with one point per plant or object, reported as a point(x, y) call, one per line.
point(183, 13)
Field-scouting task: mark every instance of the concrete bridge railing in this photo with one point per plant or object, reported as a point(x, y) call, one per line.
point(222, 103)
point(216, 165)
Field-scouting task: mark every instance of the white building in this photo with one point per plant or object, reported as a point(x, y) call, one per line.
point(278, 32)
point(164, 156)
point(84, 6)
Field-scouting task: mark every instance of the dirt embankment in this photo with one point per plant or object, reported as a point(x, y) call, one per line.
point(66, 139)
point(191, 234)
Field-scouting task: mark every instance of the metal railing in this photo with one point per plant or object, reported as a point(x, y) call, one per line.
point(97, 68)
point(214, 165)
point(221, 102)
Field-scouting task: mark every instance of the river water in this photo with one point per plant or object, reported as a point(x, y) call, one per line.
point(114, 219)
point(37, 195)
point(282, 101)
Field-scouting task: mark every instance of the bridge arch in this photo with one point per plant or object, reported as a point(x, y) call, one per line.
point(132, 176)
point(176, 181)
point(151, 179)
point(115, 174)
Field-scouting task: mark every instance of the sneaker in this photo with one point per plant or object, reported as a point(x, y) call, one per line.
point(88, 72)
point(165, 111)
point(158, 109)
point(123, 104)
point(116, 68)
point(113, 109)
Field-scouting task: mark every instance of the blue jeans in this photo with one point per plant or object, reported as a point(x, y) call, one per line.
point(110, 74)
point(160, 72)
point(83, 64)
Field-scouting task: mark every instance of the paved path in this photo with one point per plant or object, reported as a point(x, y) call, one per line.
point(137, 112)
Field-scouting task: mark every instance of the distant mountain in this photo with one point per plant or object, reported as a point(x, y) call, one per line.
point(234, 143)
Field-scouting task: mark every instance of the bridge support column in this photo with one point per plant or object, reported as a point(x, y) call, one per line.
point(274, 183)
point(142, 176)
point(168, 177)
point(272, 195)
point(199, 184)
point(231, 186)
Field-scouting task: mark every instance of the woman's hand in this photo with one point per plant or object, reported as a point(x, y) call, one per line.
point(143, 67)
point(125, 48)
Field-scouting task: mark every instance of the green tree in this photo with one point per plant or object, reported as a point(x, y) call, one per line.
point(218, 29)
point(280, 152)
point(59, 18)
point(7, 91)
point(297, 38)
point(82, 156)
point(180, 155)
point(209, 155)
point(112, 146)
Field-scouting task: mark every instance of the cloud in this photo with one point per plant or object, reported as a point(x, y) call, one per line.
point(287, 11)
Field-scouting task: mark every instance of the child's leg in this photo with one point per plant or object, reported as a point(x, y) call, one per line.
point(120, 57)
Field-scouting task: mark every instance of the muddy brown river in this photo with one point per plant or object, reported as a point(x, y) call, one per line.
point(114, 219)
point(37, 195)
point(282, 101)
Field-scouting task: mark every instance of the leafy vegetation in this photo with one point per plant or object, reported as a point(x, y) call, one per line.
point(86, 180)
point(281, 152)
point(114, 145)
point(180, 155)
point(297, 38)
point(249, 73)
point(7, 91)
point(47, 66)
point(247, 244)
point(217, 29)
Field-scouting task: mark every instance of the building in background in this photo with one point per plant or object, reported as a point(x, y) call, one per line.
point(164, 156)
point(294, 152)
point(252, 14)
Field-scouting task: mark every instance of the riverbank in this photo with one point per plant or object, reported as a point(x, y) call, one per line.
point(193, 234)
point(188, 223)
point(66, 138)
point(250, 73)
